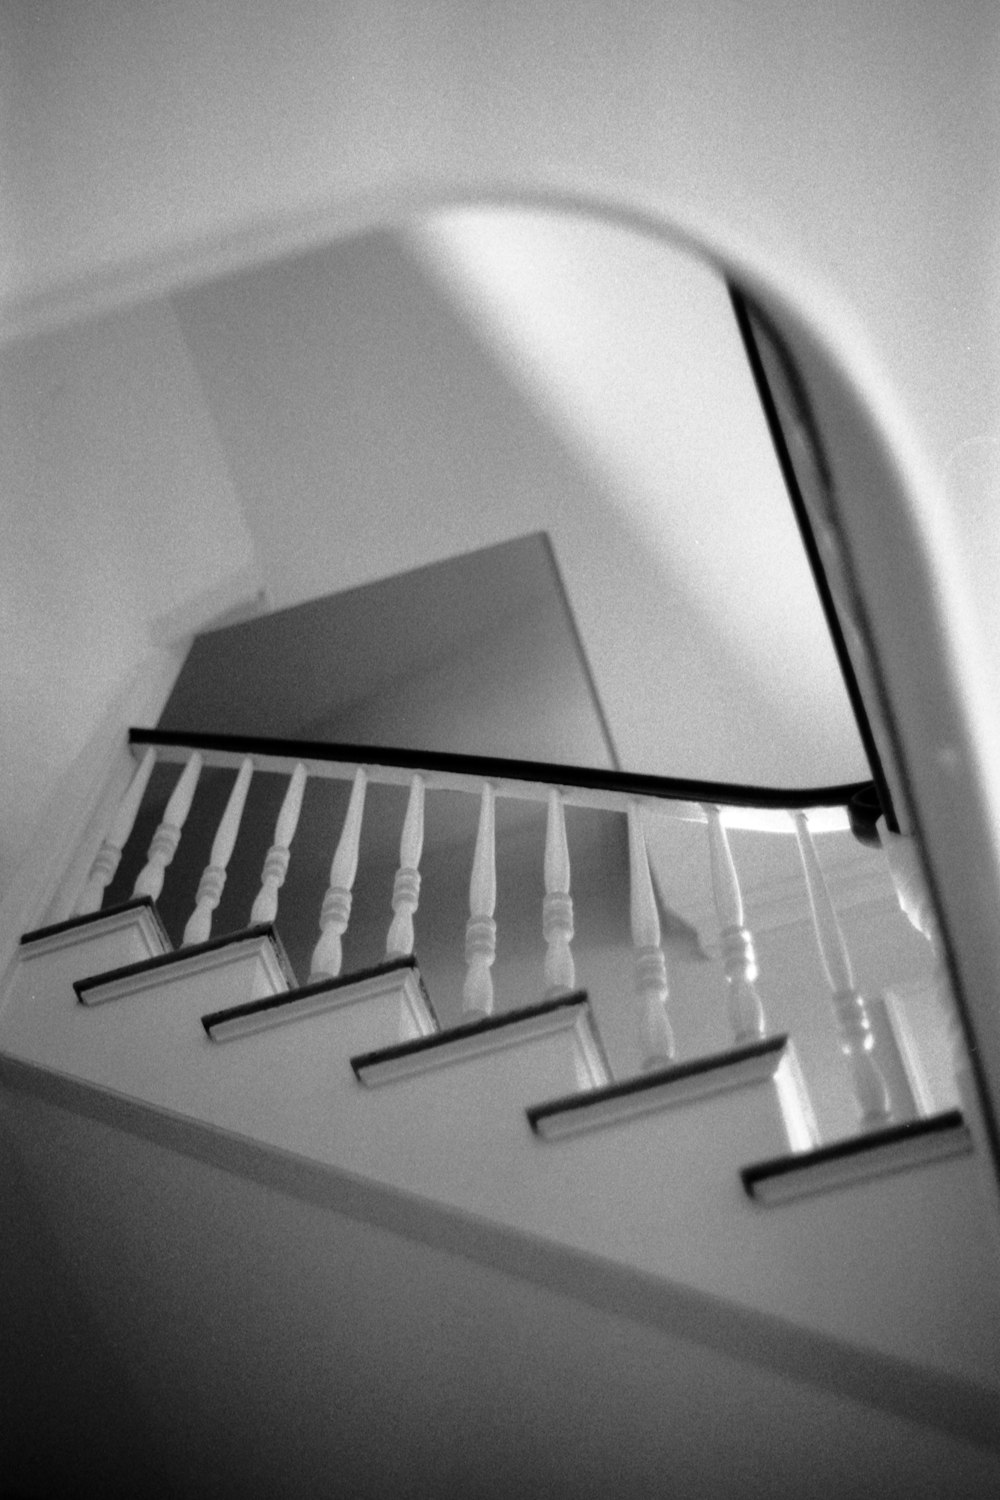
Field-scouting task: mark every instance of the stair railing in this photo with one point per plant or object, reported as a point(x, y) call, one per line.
point(719, 808)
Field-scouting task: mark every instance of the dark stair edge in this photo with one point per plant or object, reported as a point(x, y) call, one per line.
point(577, 998)
point(655, 1079)
point(855, 1146)
point(317, 987)
point(179, 955)
point(38, 934)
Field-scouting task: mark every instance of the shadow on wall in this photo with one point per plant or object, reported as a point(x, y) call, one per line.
point(477, 655)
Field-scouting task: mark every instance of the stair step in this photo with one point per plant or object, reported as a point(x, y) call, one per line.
point(570, 1013)
point(137, 918)
point(201, 958)
point(662, 1088)
point(397, 981)
point(661, 1194)
point(843, 1163)
point(138, 915)
point(39, 995)
point(142, 1047)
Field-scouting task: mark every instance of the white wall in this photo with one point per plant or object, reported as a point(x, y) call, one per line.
point(391, 400)
point(848, 145)
point(116, 508)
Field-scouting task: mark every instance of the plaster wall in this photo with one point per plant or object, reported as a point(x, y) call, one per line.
point(117, 509)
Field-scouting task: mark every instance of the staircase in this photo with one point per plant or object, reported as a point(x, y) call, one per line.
point(692, 1191)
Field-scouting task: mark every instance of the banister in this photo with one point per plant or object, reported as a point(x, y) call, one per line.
point(649, 803)
point(764, 809)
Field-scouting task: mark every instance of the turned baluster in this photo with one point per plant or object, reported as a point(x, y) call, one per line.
point(853, 1022)
point(109, 855)
point(481, 930)
point(166, 838)
point(406, 887)
point(746, 1013)
point(914, 897)
point(335, 912)
point(199, 924)
point(557, 907)
point(265, 907)
point(656, 1036)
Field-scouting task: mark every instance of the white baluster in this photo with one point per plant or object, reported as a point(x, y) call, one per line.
point(168, 835)
point(656, 1036)
point(481, 930)
point(109, 855)
point(406, 888)
point(746, 1013)
point(335, 912)
point(557, 908)
point(914, 897)
point(851, 1013)
point(265, 908)
point(199, 924)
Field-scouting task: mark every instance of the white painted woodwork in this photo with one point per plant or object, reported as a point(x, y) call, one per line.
point(915, 901)
point(850, 1011)
point(406, 887)
point(655, 1034)
point(481, 930)
point(212, 883)
point(166, 838)
point(557, 906)
point(746, 1013)
point(265, 907)
point(335, 912)
point(109, 855)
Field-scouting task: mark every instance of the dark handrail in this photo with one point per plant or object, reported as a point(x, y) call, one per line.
point(492, 767)
point(745, 313)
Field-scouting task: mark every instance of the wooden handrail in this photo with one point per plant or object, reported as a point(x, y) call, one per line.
point(535, 777)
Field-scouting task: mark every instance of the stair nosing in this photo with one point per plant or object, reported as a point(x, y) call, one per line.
point(653, 1081)
point(91, 918)
point(180, 955)
point(863, 1150)
point(468, 1031)
point(318, 987)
